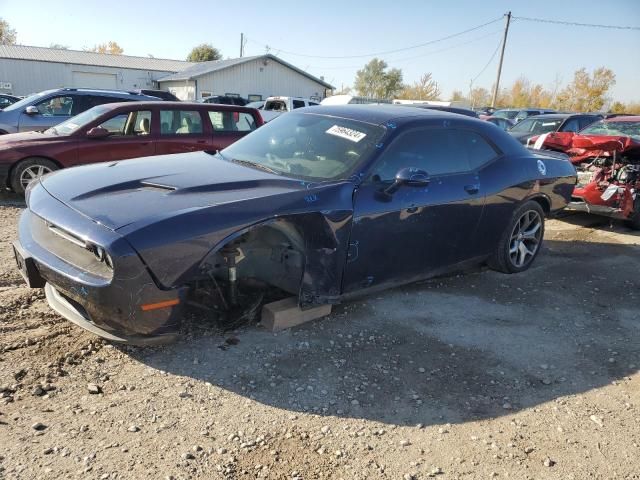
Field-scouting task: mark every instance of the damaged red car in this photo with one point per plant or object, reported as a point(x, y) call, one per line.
point(606, 155)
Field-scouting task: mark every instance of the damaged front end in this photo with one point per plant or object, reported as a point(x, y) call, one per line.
point(608, 173)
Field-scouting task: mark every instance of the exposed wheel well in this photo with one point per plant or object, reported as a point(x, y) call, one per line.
point(272, 253)
point(544, 203)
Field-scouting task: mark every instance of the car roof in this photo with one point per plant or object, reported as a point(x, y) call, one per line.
point(626, 118)
point(378, 114)
point(180, 105)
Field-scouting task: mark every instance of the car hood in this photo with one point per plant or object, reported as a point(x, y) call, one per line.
point(13, 140)
point(150, 189)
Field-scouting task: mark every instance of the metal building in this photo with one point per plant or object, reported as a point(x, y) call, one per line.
point(25, 70)
point(255, 78)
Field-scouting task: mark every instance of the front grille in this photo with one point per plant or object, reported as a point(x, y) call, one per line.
point(67, 247)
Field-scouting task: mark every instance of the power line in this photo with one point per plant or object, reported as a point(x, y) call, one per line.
point(489, 62)
point(387, 52)
point(404, 59)
point(575, 24)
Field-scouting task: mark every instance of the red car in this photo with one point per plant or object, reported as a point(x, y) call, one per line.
point(118, 131)
point(607, 157)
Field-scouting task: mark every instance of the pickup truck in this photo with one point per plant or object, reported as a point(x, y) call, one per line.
point(276, 106)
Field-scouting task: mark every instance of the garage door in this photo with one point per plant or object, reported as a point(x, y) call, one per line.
point(94, 80)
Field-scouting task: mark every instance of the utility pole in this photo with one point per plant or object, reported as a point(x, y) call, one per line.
point(241, 45)
point(504, 44)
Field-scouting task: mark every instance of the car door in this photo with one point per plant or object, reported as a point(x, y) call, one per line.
point(182, 130)
point(51, 111)
point(130, 136)
point(416, 230)
point(229, 125)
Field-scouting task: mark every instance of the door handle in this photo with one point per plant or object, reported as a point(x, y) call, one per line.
point(202, 141)
point(472, 189)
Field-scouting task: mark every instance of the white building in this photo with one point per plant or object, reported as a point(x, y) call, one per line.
point(255, 78)
point(25, 70)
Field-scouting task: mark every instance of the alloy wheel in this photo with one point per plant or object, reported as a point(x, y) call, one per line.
point(32, 173)
point(525, 238)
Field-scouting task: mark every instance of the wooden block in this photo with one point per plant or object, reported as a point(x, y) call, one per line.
point(286, 313)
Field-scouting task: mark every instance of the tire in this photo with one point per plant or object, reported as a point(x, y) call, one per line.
point(28, 170)
point(633, 221)
point(521, 241)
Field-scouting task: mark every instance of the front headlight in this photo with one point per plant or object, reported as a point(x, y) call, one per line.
point(102, 255)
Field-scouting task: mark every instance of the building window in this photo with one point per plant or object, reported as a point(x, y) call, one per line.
point(205, 94)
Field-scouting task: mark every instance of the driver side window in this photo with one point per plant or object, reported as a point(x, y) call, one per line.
point(56, 106)
point(438, 151)
point(129, 124)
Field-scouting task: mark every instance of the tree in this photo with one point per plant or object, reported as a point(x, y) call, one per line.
point(59, 46)
point(7, 34)
point(424, 89)
point(620, 107)
point(479, 97)
point(204, 52)
point(457, 96)
point(587, 93)
point(375, 81)
point(111, 47)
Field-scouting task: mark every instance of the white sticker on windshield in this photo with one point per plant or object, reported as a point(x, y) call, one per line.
point(348, 133)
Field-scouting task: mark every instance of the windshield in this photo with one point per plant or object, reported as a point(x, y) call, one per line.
point(626, 129)
point(505, 114)
point(276, 105)
point(79, 121)
point(536, 126)
point(307, 146)
point(25, 102)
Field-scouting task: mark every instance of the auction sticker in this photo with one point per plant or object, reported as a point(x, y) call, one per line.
point(348, 133)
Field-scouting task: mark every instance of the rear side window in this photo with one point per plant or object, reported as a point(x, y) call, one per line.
point(298, 104)
point(230, 121)
point(180, 122)
point(437, 151)
point(94, 100)
point(572, 125)
point(586, 121)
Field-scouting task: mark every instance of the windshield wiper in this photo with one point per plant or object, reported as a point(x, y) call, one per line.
point(257, 165)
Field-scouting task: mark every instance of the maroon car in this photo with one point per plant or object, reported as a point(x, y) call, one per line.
point(118, 131)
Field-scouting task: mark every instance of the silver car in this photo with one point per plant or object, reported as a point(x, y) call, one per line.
point(51, 107)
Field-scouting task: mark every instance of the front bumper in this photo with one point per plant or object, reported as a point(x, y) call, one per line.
point(110, 307)
point(603, 210)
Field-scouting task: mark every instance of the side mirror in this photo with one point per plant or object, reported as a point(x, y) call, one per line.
point(98, 132)
point(409, 176)
point(31, 110)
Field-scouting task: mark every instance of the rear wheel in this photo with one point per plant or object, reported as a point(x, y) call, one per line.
point(521, 241)
point(28, 170)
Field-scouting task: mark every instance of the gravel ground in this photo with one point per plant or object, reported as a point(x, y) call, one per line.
point(481, 375)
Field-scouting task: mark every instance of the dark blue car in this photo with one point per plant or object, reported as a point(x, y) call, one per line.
point(321, 203)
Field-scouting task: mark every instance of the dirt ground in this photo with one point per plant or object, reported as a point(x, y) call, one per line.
point(481, 375)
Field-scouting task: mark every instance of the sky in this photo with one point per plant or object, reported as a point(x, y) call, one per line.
point(302, 32)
